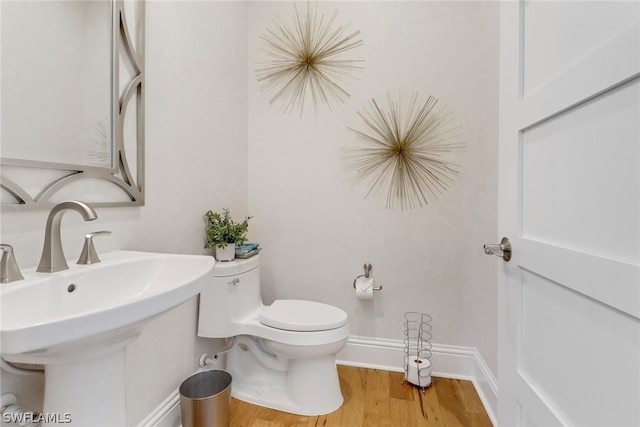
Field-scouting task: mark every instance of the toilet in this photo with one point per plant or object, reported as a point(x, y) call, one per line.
point(283, 355)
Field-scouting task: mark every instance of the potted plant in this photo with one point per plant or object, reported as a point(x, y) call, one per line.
point(223, 234)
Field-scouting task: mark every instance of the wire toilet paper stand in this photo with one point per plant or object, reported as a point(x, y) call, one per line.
point(417, 348)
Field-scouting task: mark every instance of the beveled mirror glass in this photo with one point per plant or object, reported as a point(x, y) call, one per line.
point(72, 102)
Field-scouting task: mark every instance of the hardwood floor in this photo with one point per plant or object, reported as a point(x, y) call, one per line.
point(374, 398)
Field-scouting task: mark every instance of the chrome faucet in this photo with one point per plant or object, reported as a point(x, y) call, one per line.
point(9, 271)
point(52, 258)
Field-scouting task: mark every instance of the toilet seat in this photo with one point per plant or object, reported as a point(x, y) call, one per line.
point(302, 316)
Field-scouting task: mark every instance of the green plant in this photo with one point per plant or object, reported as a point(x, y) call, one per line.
point(222, 230)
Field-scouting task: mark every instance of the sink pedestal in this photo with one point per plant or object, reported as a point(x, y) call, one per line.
point(86, 393)
point(85, 385)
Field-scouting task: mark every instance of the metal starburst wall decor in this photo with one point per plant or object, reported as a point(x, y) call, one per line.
point(307, 60)
point(403, 150)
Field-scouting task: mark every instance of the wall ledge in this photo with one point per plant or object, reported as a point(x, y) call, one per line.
point(448, 361)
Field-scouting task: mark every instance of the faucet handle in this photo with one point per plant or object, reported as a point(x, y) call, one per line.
point(9, 270)
point(89, 254)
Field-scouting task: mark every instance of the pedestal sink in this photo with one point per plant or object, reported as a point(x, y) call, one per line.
point(78, 322)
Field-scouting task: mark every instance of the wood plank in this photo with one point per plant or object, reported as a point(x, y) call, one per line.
point(452, 403)
point(427, 406)
point(376, 404)
point(470, 398)
point(353, 382)
point(399, 389)
point(242, 413)
point(375, 398)
point(263, 423)
point(402, 412)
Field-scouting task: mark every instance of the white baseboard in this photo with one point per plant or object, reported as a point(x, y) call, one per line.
point(167, 414)
point(377, 353)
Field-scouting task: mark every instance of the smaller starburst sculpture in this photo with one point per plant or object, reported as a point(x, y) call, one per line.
point(307, 61)
point(403, 151)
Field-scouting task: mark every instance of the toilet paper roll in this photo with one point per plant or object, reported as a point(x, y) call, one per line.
point(364, 287)
point(418, 371)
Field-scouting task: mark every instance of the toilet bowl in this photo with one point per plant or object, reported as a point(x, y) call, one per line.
point(283, 355)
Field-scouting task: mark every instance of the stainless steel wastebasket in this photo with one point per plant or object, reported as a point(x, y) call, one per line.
point(205, 399)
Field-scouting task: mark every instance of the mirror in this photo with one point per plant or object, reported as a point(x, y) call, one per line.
point(61, 81)
point(72, 102)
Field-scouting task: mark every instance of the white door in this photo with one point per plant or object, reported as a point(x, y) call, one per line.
point(569, 298)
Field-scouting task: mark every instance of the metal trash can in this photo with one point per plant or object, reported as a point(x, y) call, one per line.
point(205, 399)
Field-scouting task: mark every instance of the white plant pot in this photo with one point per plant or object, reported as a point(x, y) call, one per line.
point(226, 254)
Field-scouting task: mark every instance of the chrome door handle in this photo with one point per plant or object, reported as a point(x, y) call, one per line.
point(502, 249)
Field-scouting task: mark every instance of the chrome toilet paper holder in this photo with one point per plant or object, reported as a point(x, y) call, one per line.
point(367, 269)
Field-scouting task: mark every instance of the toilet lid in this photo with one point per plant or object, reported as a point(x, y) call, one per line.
point(298, 315)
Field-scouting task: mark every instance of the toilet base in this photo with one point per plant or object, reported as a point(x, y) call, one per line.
point(278, 400)
point(300, 386)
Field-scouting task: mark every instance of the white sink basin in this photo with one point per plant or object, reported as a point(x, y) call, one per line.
point(53, 309)
point(75, 321)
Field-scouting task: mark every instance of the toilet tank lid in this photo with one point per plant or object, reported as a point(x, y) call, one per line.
point(302, 316)
point(237, 266)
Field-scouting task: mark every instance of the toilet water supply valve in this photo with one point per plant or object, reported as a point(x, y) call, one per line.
point(14, 414)
point(206, 360)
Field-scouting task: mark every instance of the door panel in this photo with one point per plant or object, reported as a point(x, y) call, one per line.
point(597, 142)
point(610, 282)
point(566, 338)
point(569, 299)
point(556, 39)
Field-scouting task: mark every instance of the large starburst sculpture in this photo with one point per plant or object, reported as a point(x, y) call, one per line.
point(403, 151)
point(306, 60)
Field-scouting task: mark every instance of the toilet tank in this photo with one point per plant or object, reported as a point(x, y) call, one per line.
point(231, 297)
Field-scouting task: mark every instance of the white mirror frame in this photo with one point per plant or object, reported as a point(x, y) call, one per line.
point(123, 45)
